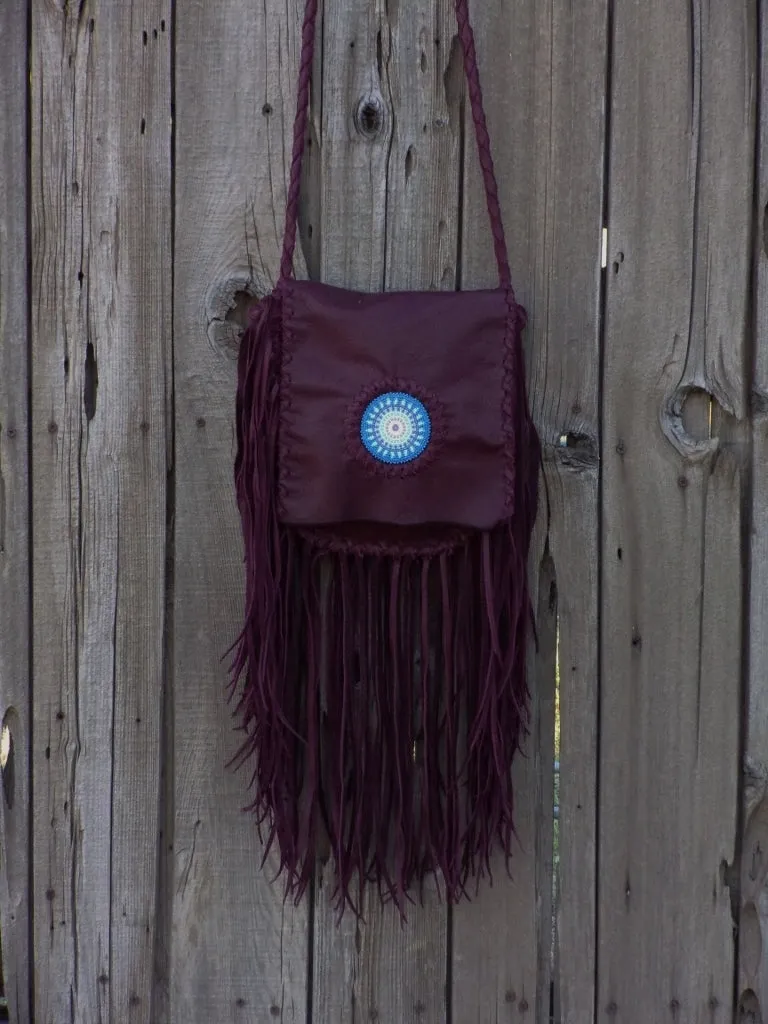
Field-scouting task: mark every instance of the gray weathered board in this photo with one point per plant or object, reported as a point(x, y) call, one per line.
point(751, 875)
point(237, 951)
point(100, 343)
point(14, 512)
point(677, 313)
point(144, 149)
point(547, 126)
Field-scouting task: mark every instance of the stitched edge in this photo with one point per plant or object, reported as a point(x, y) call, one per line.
point(356, 451)
point(328, 541)
point(515, 322)
point(287, 347)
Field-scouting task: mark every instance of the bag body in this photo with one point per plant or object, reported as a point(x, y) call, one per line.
point(386, 476)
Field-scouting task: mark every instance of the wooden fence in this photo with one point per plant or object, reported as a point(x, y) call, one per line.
point(143, 153)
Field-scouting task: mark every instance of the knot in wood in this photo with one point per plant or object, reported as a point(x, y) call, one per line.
point(683, 428)
point(370, 116)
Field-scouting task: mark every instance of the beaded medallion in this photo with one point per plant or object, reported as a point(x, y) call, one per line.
point(395, 427)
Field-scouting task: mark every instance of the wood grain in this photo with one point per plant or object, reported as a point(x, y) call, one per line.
point(136, 577)
point(238, 953)
point(543, 69)
point(355, 133)
point(15, 693)
point(683, 110)
point(100, 326)
point(752, 873)
point(390, 141)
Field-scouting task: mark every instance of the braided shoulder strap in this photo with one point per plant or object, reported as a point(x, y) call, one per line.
point(467, 40)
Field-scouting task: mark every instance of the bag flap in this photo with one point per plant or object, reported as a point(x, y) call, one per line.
point(360, 372)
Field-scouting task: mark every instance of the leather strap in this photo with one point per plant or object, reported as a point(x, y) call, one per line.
point(467, 40)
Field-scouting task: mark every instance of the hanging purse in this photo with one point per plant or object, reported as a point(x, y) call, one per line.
point(386, 476)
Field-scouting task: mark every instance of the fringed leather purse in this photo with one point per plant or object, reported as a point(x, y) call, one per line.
point(386, 476)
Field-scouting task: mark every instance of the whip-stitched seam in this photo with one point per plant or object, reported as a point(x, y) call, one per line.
point(287, 348)
point(335, 543)
point(515, 322)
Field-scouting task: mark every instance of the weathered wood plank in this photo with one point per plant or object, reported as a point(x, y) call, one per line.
point(753, 918)
point(389, 141)
point(15, 907)
point(677, 300)
point(543, 69)
point(143, 35)
point(100, 323)
point(238, 952)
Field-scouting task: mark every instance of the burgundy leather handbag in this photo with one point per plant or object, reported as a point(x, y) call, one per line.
point(386, 476)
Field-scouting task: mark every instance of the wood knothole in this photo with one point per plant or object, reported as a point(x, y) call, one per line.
point(686, 420)
point(90, 382)
point(227, 308)
point(410, 160)
point(576, 450)
point(370, 116)
point(8, 756)
point(749, 1008)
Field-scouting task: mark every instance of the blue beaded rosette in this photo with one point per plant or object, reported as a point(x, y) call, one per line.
point(395, 428)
